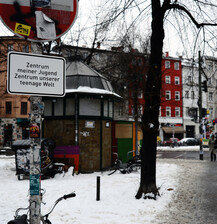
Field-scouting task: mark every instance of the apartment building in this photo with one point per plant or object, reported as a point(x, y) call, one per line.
point(14, 109)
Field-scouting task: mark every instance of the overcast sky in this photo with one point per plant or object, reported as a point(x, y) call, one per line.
point(177, 34)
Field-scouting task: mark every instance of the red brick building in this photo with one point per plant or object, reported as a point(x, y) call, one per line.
point(171, 108)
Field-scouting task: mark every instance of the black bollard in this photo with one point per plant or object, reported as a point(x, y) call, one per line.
point(98, 188)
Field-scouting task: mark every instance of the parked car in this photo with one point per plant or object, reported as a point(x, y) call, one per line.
point(189, 142)
point(171, 142)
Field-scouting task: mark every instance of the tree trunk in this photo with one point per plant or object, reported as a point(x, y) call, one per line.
point(152, 94)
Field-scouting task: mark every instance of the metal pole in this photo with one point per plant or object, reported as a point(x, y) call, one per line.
point(76, 119)
point(35, 159)
point(200, 107)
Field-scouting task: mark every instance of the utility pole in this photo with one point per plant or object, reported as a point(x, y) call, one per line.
point(35, 159)
point(200, 106)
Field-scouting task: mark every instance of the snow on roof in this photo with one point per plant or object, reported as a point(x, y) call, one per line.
point(84, 89)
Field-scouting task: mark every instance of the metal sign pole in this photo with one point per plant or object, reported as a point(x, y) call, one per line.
point(200, 107)
point(35, 159)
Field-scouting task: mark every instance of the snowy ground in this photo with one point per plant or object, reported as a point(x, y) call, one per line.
point(194, 200)
point(117, 205)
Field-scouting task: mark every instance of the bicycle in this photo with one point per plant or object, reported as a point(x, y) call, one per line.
point(23, 219)
point(116, 165)
point(132, 165)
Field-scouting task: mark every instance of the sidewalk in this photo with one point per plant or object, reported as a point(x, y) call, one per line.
point(195, 199)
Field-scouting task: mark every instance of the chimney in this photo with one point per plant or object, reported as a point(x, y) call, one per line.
point(98, 45)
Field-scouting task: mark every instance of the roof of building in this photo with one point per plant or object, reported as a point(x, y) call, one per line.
point(83, 79)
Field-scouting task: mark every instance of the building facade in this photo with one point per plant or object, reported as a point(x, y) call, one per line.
point(190, 73)
point(14, 109)
point(171, 109)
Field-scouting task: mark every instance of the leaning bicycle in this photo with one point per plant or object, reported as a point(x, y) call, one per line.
point(132, 165)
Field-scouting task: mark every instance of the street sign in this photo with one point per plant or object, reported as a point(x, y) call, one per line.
point(32, 74)
point(39, 20)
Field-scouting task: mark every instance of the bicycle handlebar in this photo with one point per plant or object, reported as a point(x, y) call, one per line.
point(66, 196)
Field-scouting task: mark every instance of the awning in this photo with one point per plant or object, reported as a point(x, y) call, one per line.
point(175, 130)
point(22, 120)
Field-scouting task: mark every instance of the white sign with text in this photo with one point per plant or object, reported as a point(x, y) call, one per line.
point(33, 74)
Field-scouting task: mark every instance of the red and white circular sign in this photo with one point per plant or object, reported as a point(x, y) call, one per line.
point(39, 20)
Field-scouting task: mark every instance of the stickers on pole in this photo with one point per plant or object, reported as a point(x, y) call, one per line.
point(34, 131)
point(34, 184)
point(22, 29)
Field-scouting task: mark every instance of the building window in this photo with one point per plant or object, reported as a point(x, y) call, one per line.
point(168, 95)
point(90, 106)
point(211, 112)
point(106, 108)
point(133, 94)
point(58, 107)
point(187, 111)
point(23, 108)
point(176, 65)
point(189, 79)
point(186, 94)
point(167, 79)
point(132, 110)
point(111, 109)
point(140, 110)
point(210, 96)
point(192, 95)
point(120, 111)
point(48, 107)
point(177, 80)
point(97, 57)
point(168, 111)
point(177, 95)
point(167, 64)
point(85, 54)
point(177, 111)
point(26, 48)
point(140, 94)
point(70, 107)
point(10, 47)
point(8, 107)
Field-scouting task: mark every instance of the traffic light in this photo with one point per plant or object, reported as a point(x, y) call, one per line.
point(201, 129)
point(204, 86)
point(204, 112)
point(213, 122)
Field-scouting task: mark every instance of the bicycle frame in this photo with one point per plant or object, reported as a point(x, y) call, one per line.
point(44, 218)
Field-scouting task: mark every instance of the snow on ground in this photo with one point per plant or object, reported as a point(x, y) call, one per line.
point(117, 203)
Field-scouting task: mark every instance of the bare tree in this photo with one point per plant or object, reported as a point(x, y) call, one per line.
point(150, 123)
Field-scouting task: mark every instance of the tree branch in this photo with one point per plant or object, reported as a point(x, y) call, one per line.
point(180, 7)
